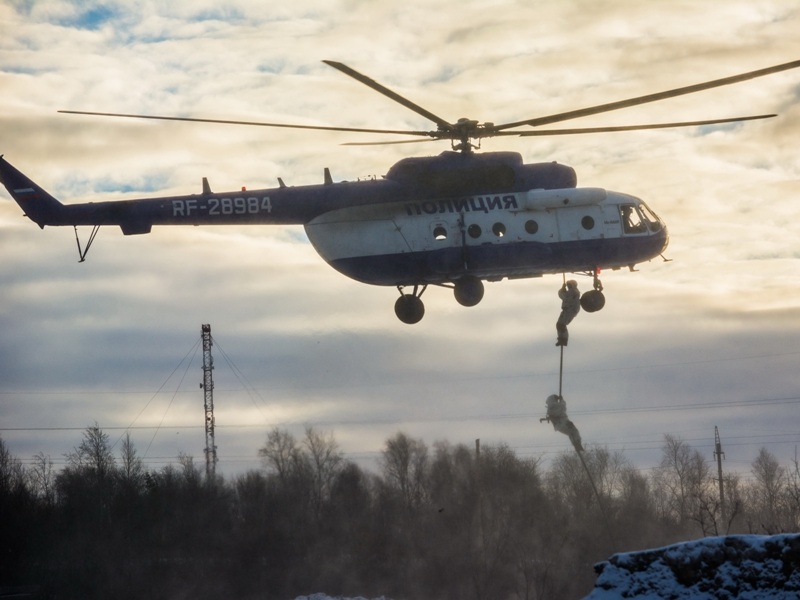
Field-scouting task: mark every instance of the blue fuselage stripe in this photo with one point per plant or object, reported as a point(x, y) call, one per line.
point(502, 260)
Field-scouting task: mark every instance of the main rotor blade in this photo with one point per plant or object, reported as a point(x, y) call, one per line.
point(388, 143)
point(389, 93)
point(544, 132)
point(691, 89)
point(256, 123)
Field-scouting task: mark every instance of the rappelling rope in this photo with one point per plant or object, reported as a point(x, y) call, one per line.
point(583, 462)
point(580, 454)
point(561, 365)
point(599, 501)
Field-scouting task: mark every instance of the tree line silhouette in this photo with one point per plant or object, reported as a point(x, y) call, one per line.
point(442, 522)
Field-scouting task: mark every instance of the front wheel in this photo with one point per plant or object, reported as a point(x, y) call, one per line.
point(592, 301)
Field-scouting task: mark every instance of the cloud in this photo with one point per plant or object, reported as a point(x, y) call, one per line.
point(94, 341)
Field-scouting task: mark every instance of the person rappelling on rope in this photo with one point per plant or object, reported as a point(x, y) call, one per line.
point(570, 306)
point(557, 415)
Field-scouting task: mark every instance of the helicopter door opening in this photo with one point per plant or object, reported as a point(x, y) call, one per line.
point(633, 223)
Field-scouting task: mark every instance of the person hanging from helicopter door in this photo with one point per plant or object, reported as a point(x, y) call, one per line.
point(557, 415)
point(570, 307)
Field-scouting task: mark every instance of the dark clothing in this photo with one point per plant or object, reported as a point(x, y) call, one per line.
point(570, 307)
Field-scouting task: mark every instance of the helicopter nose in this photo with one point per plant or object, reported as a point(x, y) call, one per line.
point(665, 233)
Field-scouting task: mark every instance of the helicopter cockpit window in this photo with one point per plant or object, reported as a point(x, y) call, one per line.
point(653, 224)
point(632, 222)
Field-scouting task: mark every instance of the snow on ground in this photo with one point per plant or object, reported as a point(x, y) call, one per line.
point(326, 597)
point(745, 567)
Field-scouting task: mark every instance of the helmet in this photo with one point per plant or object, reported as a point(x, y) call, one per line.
point(572, 283)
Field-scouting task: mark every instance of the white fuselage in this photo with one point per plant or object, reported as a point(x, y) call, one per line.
point(489, 236)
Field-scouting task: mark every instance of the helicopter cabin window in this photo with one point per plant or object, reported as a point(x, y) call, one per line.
point(632, 222)
point(587, 222)
point(531, 226)
point(653, 224)
point(499, 229)
point(474, 230)
point(439, 233)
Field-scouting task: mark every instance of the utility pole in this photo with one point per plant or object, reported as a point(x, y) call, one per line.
point(208, 393)
point(718, 453)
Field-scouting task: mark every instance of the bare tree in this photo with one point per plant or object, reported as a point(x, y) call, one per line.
point(93, 453)
point(507, 491)
point(325, 462)
point(280, 453)
point(191, 474)
point(42, 478)
point(683, 477)
point(12, 473)
point(90, 476)
point(792, 494)
point(131, 466)
point(567, 482)
point(708, 508)
point(707, 513)
point(609, 471)
point(732, 484)
point(633, 510)
point(404, 462)
point(770, 483)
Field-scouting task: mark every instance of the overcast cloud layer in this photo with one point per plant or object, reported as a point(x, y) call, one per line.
point(717, 326)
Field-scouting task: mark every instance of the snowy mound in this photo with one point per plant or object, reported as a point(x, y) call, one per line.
point(746, 567)
point(326, 597)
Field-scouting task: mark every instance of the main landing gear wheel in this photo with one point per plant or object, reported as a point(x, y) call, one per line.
point(594, 300)
point(468, 290)
point(409, 307)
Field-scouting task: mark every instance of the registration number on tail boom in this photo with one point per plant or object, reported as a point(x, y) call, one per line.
point(221, 206)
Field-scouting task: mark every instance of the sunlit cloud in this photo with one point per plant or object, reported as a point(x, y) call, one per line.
point(324, 350)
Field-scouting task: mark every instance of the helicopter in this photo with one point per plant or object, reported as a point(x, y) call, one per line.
point(453, 220)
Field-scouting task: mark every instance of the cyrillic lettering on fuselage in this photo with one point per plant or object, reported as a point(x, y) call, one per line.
point(482, 204)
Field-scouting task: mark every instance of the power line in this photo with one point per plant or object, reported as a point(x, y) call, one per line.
point(755, 403)
point(244, 381)
point(695, 406)
point(416, 382)
point(155, 433)
point(159, 389)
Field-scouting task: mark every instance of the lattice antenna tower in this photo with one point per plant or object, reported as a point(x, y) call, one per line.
point(208, 394)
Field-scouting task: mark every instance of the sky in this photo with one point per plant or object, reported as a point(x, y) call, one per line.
point(708, 339)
